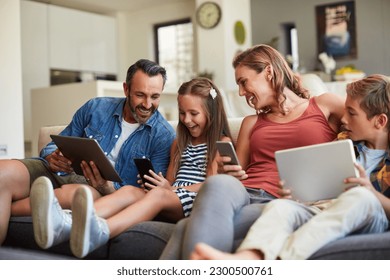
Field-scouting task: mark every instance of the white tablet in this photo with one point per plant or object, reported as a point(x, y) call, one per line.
point(77, 149)
point(317, 172)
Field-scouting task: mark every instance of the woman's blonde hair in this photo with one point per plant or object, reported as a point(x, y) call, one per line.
point(217, 123)
point(259, 57)
point(374, 91)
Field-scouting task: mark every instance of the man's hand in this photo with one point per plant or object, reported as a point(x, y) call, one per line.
point(95, 179)
point(57, 162)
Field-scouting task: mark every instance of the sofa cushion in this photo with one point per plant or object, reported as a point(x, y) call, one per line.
point(145, 240)
point(8, 253)
point(357, 247)
point(148, 239)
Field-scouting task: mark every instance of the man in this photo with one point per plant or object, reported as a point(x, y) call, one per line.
point(126, 128)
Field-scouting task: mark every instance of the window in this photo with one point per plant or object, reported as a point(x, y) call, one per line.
point(174, 51)
point(292, 44)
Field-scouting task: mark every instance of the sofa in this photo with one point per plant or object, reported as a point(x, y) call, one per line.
point(147, 239)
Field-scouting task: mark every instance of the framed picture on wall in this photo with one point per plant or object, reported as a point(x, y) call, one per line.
point(336, 29)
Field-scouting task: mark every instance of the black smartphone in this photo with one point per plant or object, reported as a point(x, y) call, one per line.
point(227, 149)
point(143, 166)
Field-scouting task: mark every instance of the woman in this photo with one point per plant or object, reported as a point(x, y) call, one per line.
point(286, 118)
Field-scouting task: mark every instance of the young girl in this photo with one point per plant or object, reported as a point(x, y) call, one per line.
point(202, 121)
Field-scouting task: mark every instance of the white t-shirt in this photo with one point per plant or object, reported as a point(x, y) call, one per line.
point(127, 130)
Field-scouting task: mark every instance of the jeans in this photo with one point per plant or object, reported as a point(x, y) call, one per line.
point(291, 230)
point(223, 212)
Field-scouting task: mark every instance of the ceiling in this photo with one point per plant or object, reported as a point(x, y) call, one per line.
point(106, 7)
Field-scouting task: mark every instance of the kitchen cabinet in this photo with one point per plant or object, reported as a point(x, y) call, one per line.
point(81, 41)
point(55, 37)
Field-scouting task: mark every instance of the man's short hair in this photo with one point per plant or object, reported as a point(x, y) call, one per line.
point(149, 67)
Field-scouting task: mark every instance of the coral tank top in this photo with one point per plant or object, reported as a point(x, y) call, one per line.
point(267, 137)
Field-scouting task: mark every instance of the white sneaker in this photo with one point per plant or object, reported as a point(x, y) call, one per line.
point(51, 223)
point(88, 231)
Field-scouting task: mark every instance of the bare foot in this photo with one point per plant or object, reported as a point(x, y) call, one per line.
point(205, 252)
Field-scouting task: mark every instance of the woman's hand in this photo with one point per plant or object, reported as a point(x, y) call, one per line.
point(95, 179)
point(59, 163)
point(224, 167)
point(283, 191)
point(157, 180)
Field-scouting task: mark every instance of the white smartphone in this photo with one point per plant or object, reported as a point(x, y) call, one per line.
point(227, 149)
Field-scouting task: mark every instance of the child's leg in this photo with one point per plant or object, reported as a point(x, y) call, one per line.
point(155, 201)
point(90, 231)
point(356, 209)
point(66, 192)
point(51, 223)
point(14, 185)
point(64, 195)
point(111, 204)
point(205, 252)
point(21, 207)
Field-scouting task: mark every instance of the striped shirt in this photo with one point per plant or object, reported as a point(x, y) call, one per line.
point(193, 166)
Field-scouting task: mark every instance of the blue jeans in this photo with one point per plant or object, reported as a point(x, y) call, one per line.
point(223, 212)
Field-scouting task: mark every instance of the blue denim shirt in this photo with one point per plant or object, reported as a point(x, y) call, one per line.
point(100, 118)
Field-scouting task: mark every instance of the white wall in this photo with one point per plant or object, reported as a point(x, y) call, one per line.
point(11, 106)
point(136, 36)
point(81, 41)
point(372, 26)
point(217, 47)
point(35, 58)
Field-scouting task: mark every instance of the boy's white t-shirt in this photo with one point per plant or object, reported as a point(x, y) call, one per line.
point(127, 130)
point(370, 158)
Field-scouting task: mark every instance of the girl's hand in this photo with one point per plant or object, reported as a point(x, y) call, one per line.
point(158, 180)
point(224, 167)
point(141, 183)
point(363, 180)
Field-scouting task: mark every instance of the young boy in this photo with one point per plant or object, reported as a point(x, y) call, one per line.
point(291, 230)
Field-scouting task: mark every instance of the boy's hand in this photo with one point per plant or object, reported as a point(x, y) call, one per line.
point(363, 180)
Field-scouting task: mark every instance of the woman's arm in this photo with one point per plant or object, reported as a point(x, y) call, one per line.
point(332, 106)
point(243, 140)
point(242, 150)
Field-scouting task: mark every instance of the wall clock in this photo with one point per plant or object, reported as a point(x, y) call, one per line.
point(208, 15)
